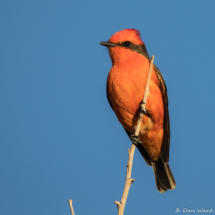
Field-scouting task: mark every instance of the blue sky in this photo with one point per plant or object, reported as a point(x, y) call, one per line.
point(60, 139)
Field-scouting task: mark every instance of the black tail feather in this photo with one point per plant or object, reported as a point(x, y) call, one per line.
point(163, 176)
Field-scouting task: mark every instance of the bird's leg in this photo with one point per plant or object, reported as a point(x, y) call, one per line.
point(135, 139)
point(143, 109)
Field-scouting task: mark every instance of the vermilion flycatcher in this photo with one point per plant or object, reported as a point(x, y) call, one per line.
point(126, 84)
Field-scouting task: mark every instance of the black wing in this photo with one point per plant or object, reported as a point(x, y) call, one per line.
point(166, 123)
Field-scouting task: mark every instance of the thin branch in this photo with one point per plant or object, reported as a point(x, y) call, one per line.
point(143, 102)
point(71, 208)
point(129, 180)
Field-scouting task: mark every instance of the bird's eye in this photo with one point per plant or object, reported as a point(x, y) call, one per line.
point(127, 43)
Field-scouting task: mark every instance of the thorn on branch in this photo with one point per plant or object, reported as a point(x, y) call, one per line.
point(118, 203)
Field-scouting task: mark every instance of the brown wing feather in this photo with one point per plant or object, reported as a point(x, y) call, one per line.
point(166, 123)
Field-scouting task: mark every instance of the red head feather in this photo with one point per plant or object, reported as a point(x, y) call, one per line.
point(131, 35)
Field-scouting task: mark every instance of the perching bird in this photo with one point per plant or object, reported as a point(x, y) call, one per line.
point(126, 84)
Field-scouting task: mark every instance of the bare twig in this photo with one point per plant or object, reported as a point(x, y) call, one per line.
point(129, 180)
point(71, 208)
point(143, 102)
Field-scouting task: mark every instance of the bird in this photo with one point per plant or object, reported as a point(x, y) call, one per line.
point(125, 89)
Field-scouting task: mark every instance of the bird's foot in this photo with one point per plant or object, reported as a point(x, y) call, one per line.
point(144, 110)
point(135, 139)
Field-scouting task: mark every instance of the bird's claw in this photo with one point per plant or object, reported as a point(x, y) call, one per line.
point(135, 139)
point(144, 110)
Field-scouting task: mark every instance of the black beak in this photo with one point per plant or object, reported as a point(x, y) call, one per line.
point(108, 44)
